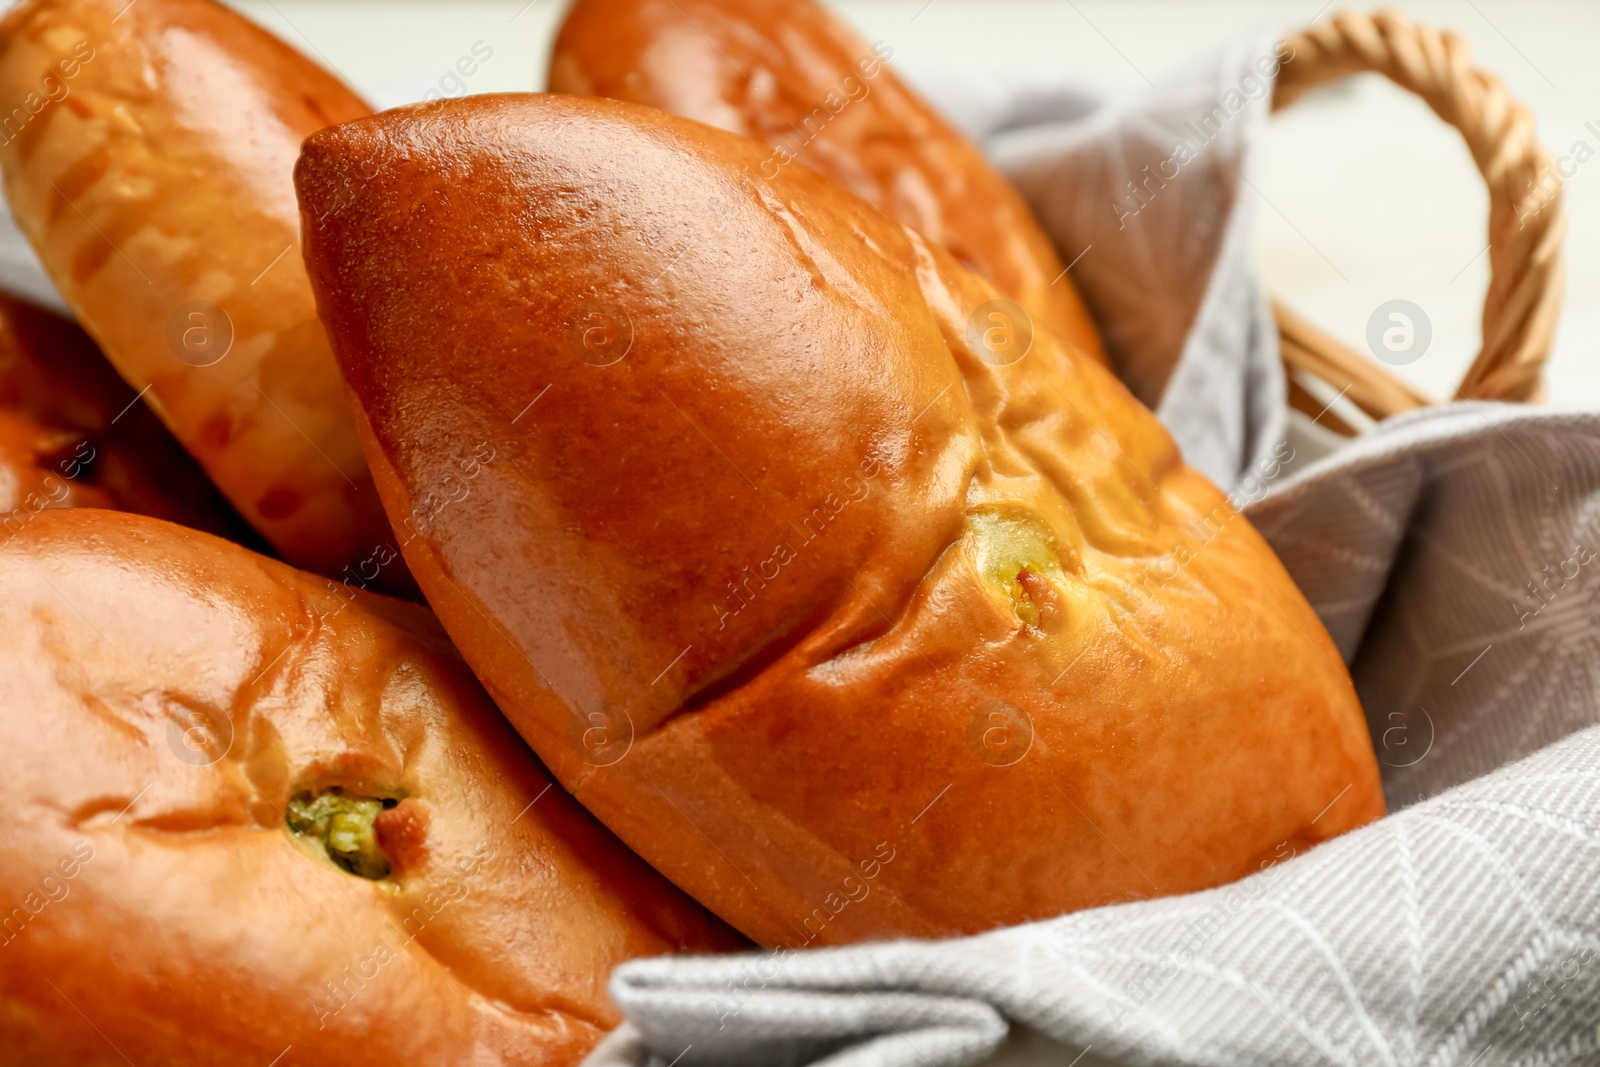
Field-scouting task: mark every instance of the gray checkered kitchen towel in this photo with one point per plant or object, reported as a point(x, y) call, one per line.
point(1453, 554)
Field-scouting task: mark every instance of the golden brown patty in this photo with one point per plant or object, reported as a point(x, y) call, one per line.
point(905, 634)
point(246, 817)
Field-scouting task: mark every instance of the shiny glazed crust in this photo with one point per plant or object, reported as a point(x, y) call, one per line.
point(790, 74)
point(846, 630)
point(148, 160)
point(163, 696)
point(72, 435)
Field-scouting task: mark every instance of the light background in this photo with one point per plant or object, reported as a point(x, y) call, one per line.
point(1365, 196)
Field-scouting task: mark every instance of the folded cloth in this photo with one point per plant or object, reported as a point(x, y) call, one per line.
point(1451, 555)
point(1455, 555)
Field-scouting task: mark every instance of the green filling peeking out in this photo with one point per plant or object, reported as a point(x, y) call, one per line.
point(342, 825)
point(1007, 547)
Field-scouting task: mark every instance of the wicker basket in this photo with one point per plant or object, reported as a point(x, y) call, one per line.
point(1526, 220)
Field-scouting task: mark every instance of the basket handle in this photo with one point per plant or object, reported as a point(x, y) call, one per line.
point(1526, 219)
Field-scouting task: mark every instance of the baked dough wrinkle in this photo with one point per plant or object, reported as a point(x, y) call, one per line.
point(1099, 480)
point(847, 630)
point(1060, 507)
point(163, 696)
